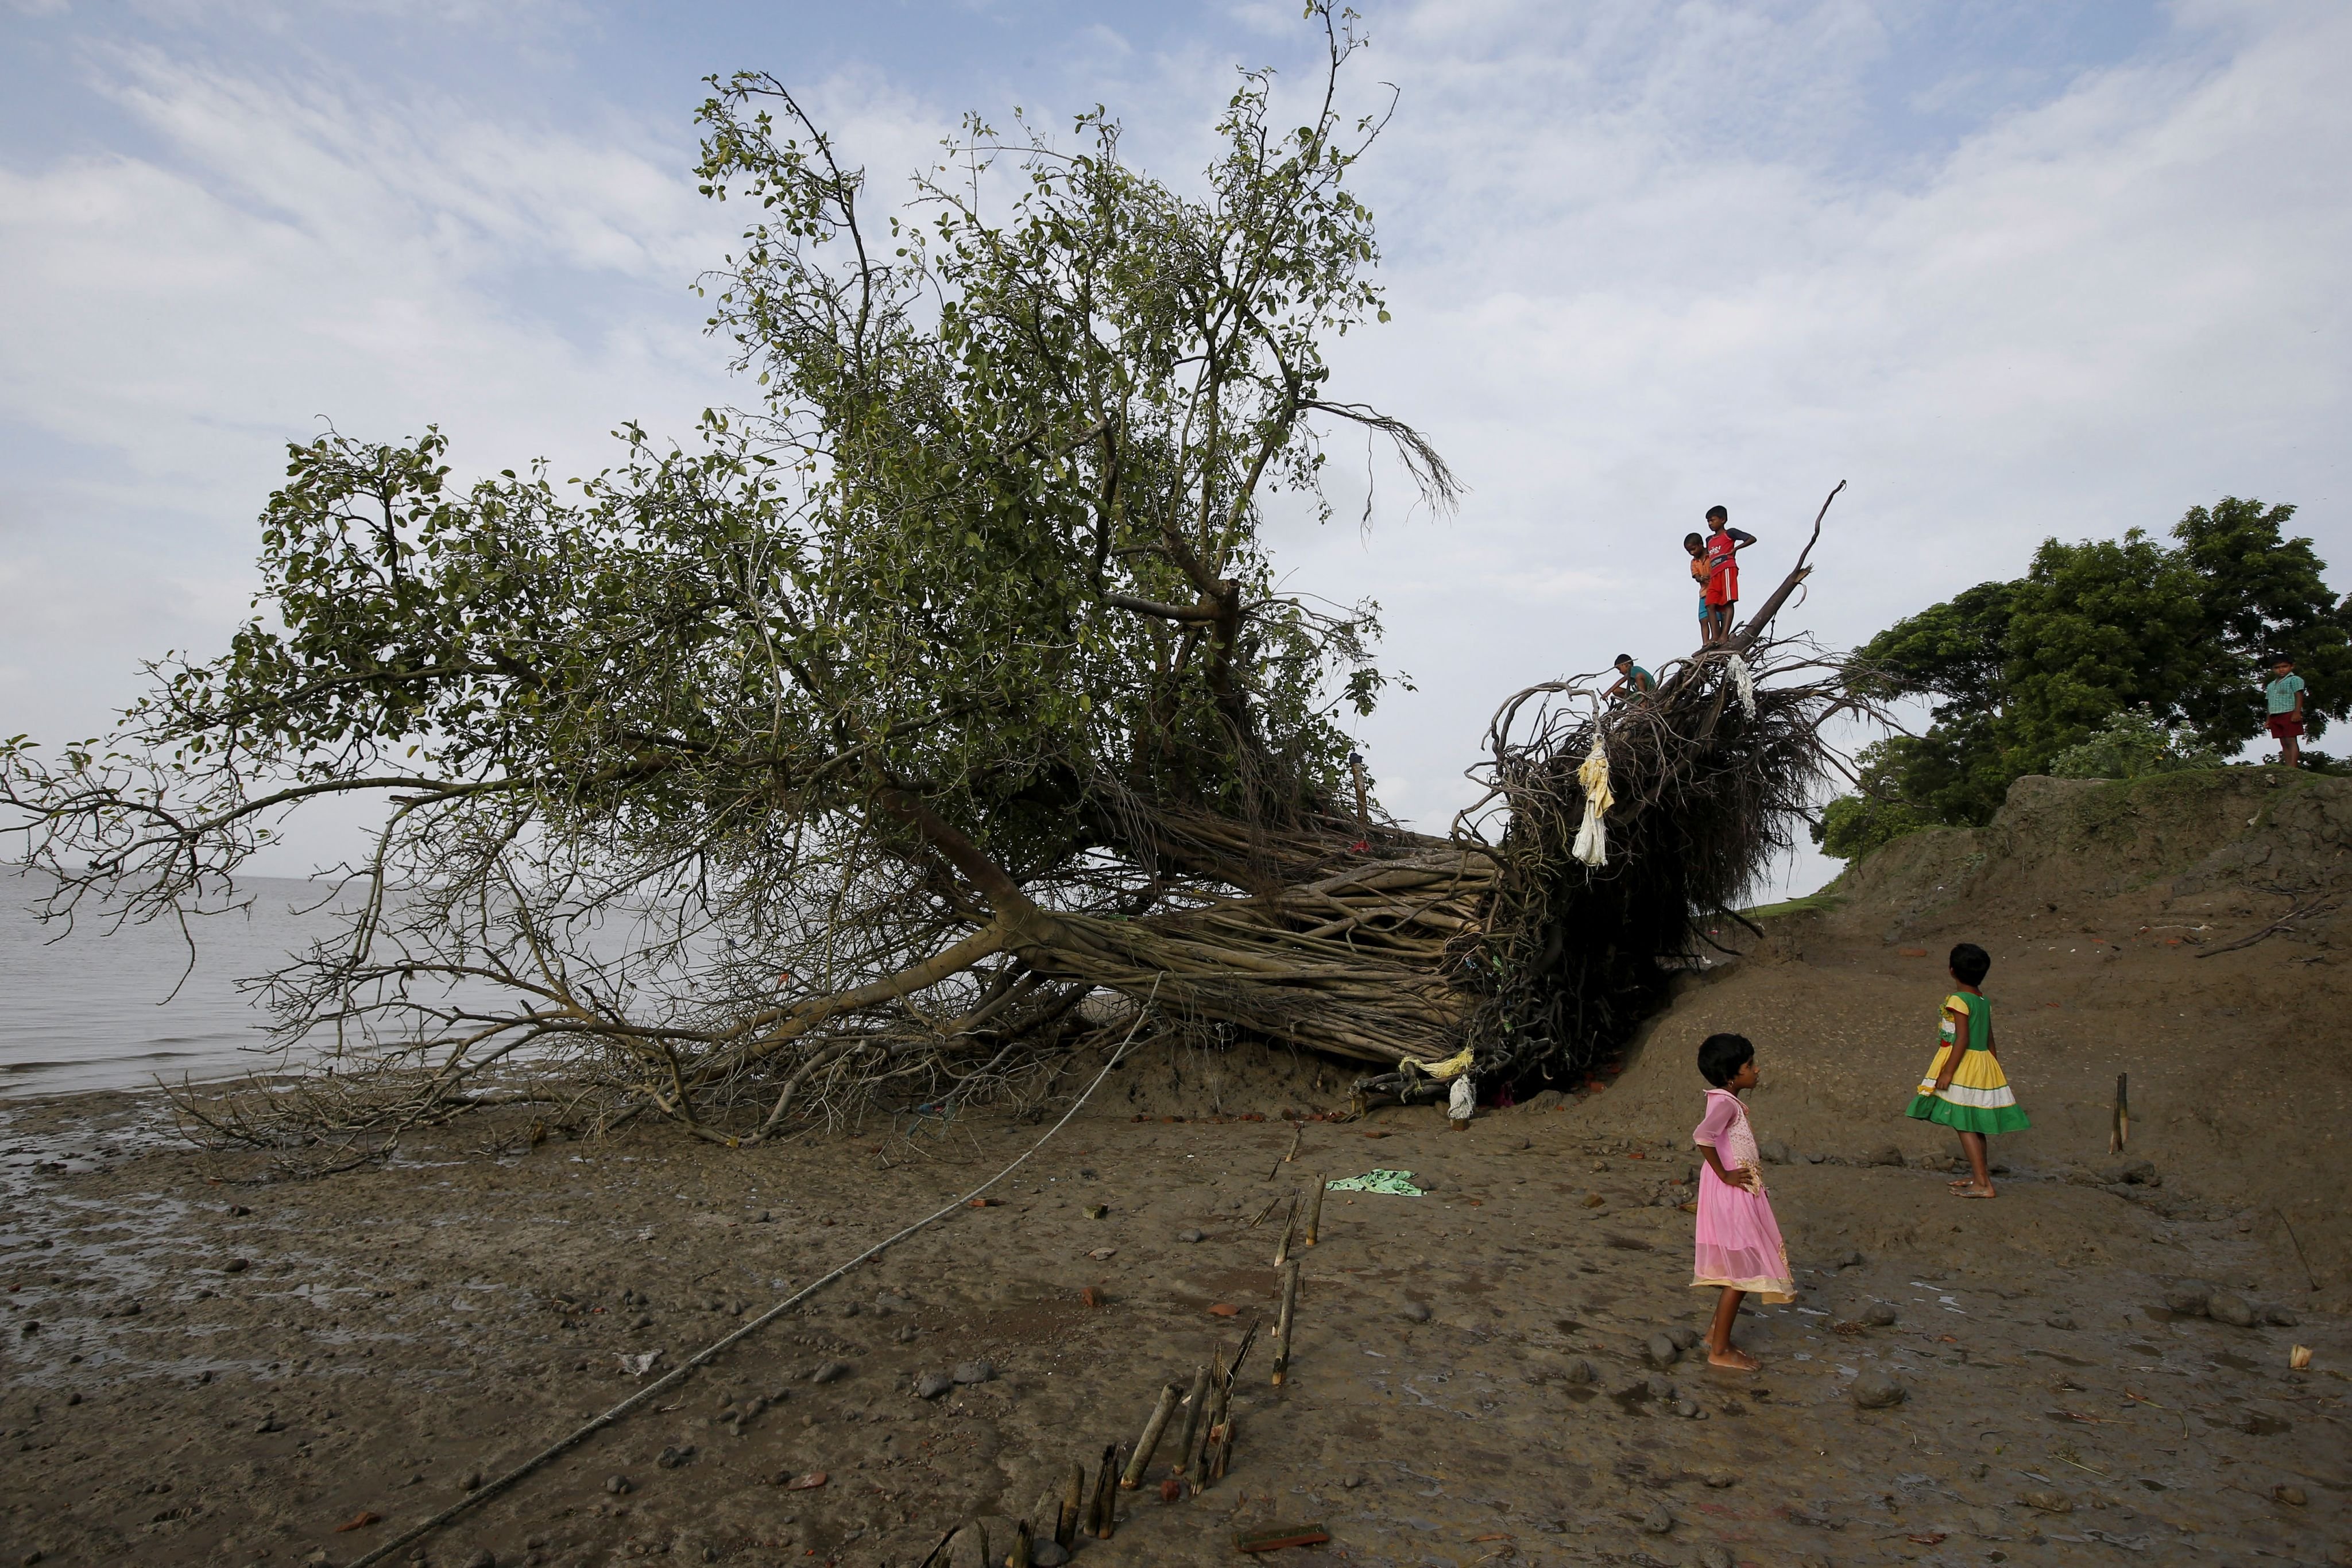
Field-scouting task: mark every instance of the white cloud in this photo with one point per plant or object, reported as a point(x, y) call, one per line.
point(290, 245)
point(2088, 316)
point(1642, 260)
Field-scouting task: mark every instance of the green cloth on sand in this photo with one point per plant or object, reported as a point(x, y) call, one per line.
point(1398, 1182)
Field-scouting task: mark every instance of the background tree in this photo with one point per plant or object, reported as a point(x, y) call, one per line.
point(2017, 672)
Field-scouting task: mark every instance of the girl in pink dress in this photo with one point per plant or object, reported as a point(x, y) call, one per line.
point(1739, 1247)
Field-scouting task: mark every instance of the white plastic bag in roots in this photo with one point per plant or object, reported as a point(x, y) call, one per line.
point(1744, 681)
point(1463, 1103)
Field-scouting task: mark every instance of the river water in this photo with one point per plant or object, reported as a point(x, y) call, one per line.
point(89, 1010)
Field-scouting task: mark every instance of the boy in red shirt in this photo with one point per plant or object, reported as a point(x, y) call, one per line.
point(1723, 544)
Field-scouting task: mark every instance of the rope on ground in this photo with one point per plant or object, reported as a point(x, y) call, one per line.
point(662, 1384)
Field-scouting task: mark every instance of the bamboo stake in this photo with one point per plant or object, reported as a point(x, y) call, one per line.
point(1314, 1207)
point(1220, 1413)
point(1289, 1224)
point(1106, 1502)
point(2119, 1135)
point(1282, 1322)
point(1197, 1426)
point(1074, 1494)
point(1224, 1447)
point(1298, 1132)
point(1195, 1403)
point(1019, 1556)
point(1141, 1459)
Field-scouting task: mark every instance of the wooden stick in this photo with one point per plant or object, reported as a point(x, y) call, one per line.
point(1197, 1402)
point(1141, 1459)
point(1074, 1495)
point(1282, 1322)
point(1220, 1411)
point(1271, 1204)
point(1224, 1447)
point(1297, 1133)
point(1019, 1556)
point(1106, 1506)
point(2119, 1135)
point(1241, 1354)
point(1314, 1207)
point(1289, 1224)
point(1747, 635)
point(1196, 1442)
point(933, 1555)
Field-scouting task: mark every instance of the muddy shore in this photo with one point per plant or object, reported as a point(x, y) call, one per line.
point(204, 1366)
point(226, 1373)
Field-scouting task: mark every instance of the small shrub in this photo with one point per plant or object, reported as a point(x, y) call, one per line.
point(2132, 744)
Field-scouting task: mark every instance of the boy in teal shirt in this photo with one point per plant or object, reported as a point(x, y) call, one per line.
point(1633, 683)
point(2285, 695)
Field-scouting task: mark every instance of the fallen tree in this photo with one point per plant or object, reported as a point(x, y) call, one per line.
point(837, 759)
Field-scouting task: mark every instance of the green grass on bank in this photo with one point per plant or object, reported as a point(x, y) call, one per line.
point(1819, 902)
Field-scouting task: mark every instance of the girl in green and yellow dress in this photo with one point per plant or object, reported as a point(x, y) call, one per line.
point(1965, 1088)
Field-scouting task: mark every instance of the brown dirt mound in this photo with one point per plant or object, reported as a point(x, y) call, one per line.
point(2111, 911)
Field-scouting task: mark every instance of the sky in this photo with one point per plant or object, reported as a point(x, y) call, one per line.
point(2011, 270)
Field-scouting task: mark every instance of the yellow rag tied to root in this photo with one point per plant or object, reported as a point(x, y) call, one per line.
point(1592, 775)
point(1454, 1066)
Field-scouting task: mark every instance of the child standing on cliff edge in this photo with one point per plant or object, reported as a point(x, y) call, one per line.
point(1965, 1088)
point(1738, 1249)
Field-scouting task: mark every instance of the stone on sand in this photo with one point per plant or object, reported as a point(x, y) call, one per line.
point(974, 1372)
point(1879, 1315)
point(931, 1384)
point(829, 1372)
point(1416, 1312)
point(2233, 1310)
point(1877, 1389)
point(2188, 1297)
point(1660, 1350)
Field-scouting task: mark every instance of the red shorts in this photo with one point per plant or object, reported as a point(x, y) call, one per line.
point(1723, 587)
point(2285, 725)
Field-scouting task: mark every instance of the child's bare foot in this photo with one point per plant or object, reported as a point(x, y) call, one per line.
point(1731, 1358)
point(1970, 1189)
